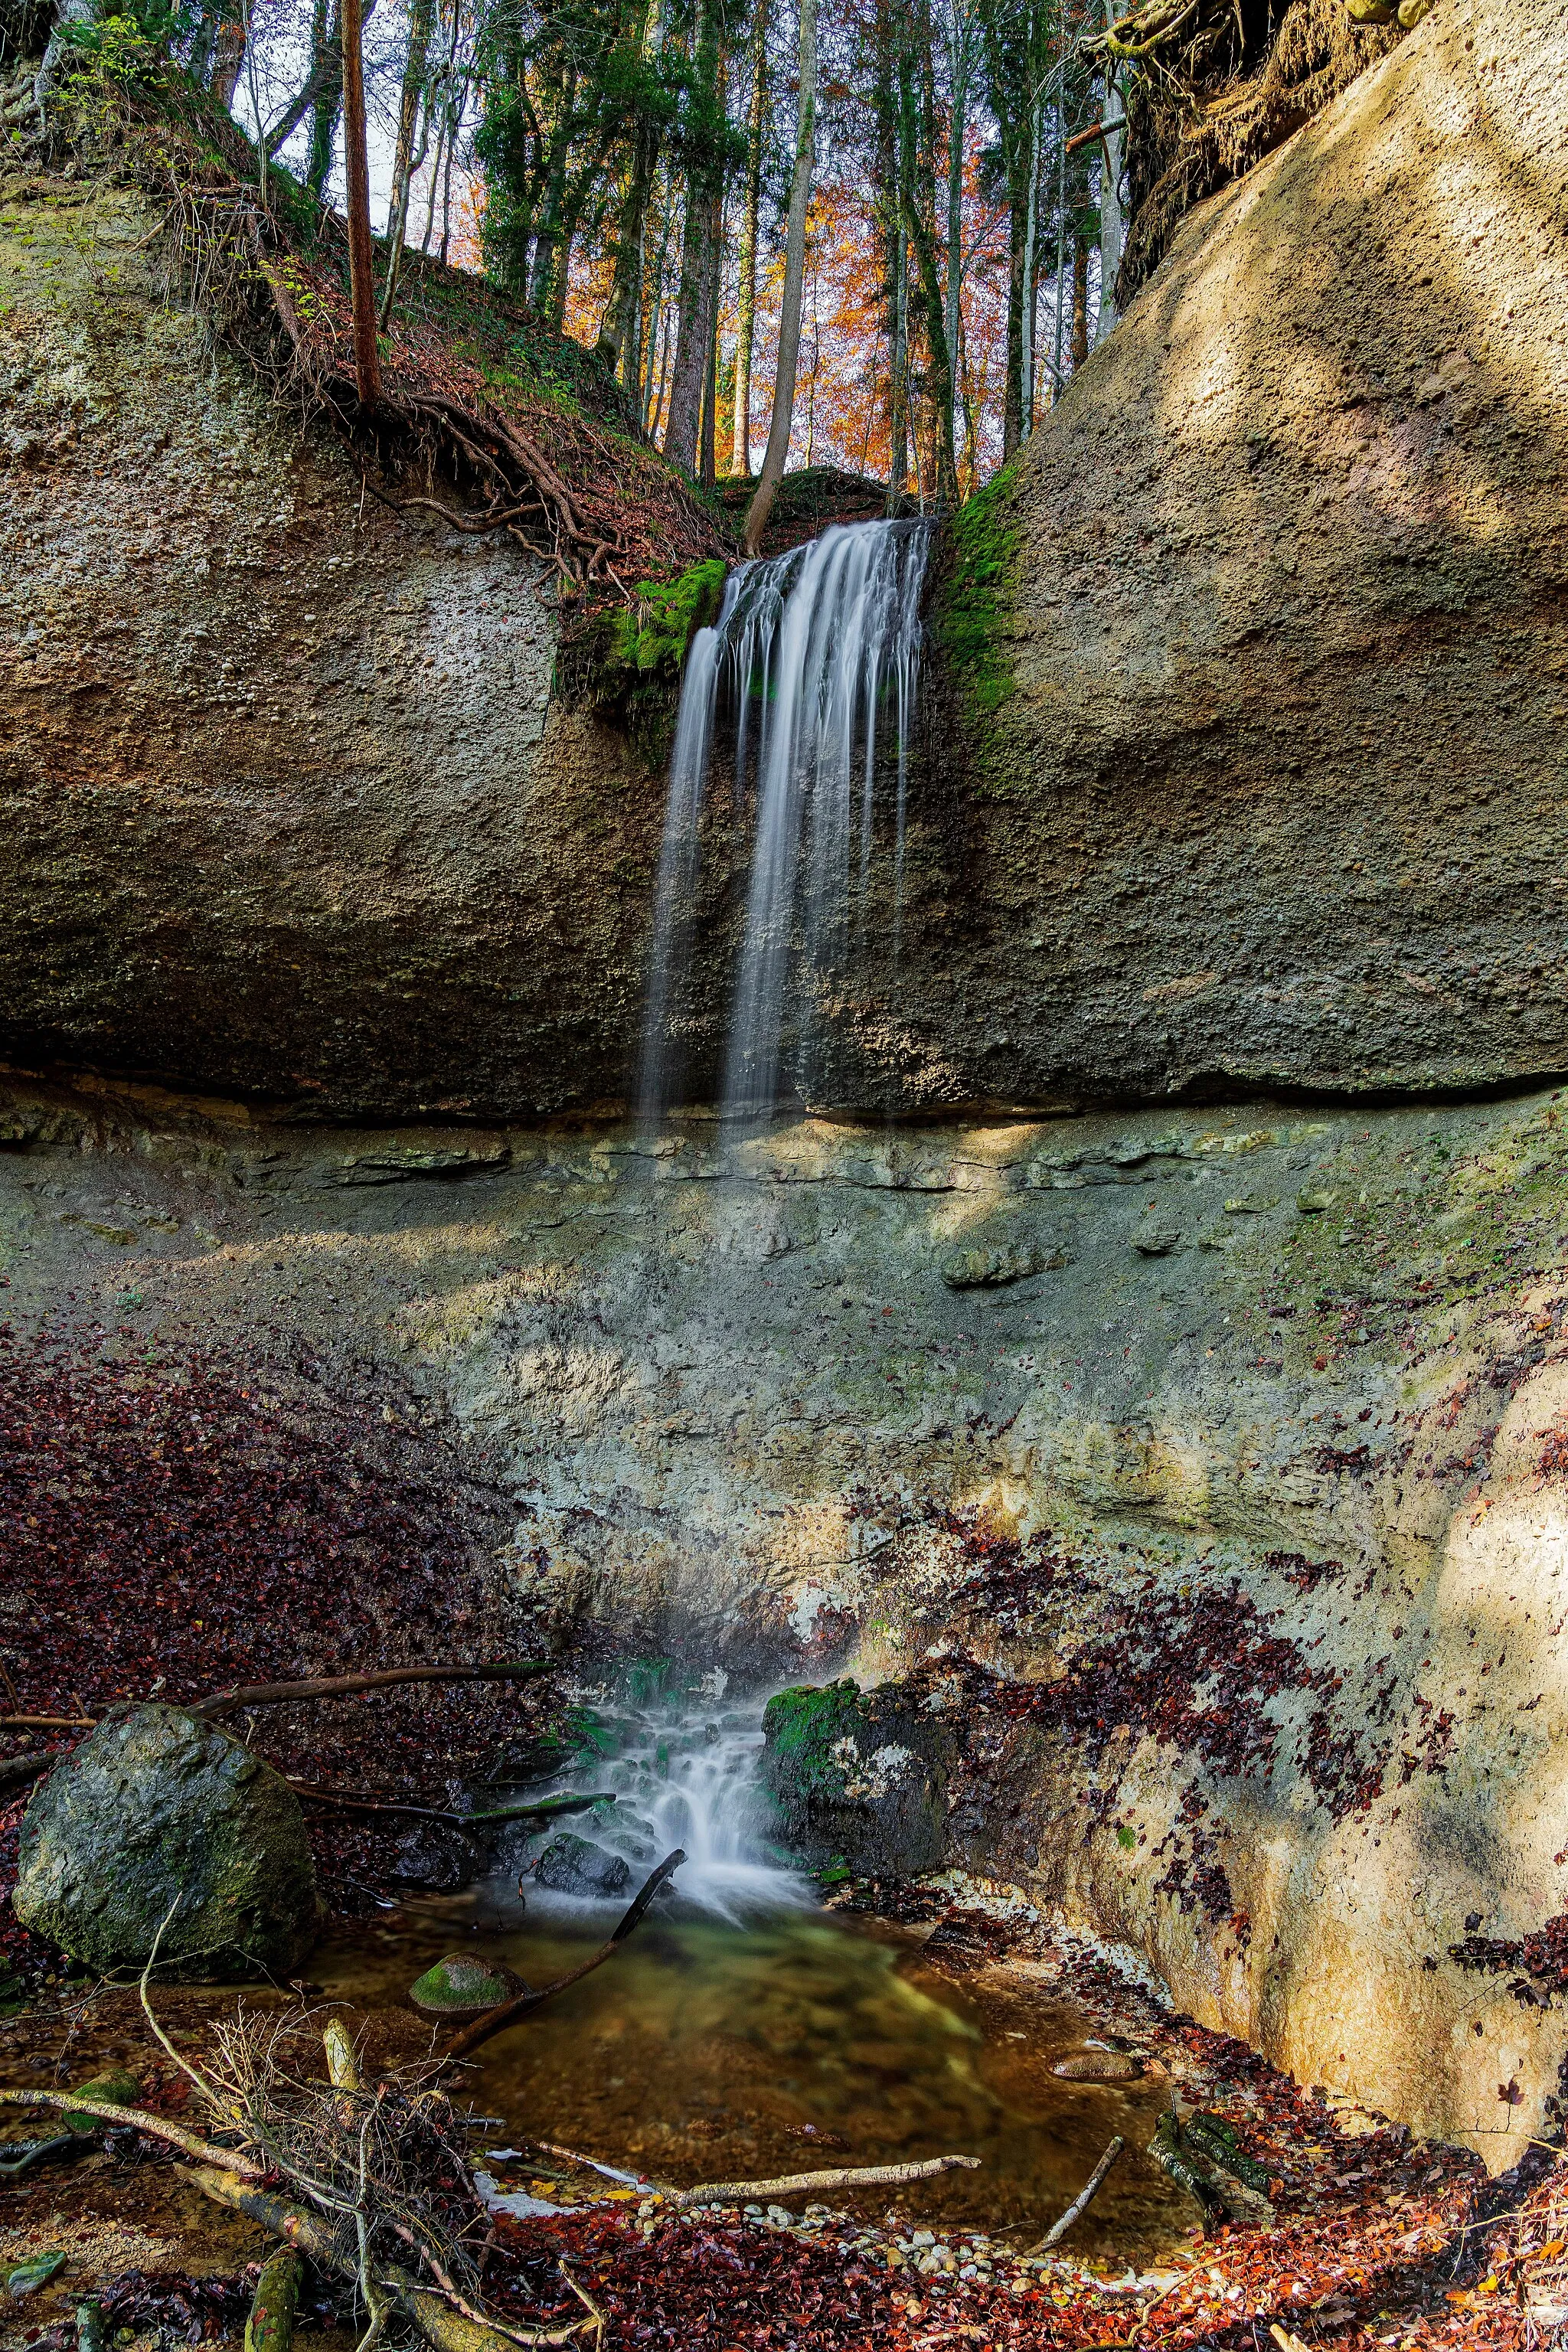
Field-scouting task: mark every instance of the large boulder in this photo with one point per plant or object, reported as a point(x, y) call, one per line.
point(859, 1779)
point(156, 1806)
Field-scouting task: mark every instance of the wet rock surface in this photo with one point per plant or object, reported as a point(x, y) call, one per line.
point(859, 1779)
point(571, 1864)
point(159, 1822)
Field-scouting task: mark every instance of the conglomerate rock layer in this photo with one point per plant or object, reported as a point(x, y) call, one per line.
point(1240, 762)
point(1205, 1475)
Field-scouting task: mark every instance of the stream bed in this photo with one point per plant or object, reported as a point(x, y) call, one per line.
point(744, 2031)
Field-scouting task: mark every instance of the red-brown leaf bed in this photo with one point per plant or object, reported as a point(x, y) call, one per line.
point(171, 1529)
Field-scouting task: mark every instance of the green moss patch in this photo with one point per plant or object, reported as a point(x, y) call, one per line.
point(976, 594)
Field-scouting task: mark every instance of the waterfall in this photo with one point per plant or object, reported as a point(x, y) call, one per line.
point(825, 642)
point(683, 1774)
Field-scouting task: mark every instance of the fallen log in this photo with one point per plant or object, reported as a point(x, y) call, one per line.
point(796, 2184)
point(542, 1811)
point(448, 2330)
point(226, 2159)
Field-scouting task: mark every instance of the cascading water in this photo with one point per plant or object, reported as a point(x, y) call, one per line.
point(687, 1775)
point(825, 640)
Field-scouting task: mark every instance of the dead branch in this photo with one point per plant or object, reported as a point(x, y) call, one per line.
point(447, 2330)
point(226, 2159)
point(17, 1768)
point(795, 2184)
point(46, 1722)
point(233, 1702)
point(1085, 2197)
point(544, 1809)
point(524, 2004)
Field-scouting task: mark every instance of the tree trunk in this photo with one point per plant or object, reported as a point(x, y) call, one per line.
point(691, 340)
point(356, 172)
point(1110, 207)
point(228, 60)
point(783, 417)
point(1079, 299)
point(746, 298)
point(707, 470)
point(326, 101)
point(1013, 399)
point(1028, 368)
point(404, 165)
point(958, 131)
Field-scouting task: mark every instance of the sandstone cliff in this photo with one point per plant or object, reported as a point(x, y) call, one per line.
point(1240, 767)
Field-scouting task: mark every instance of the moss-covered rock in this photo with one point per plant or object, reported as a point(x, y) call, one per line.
point(859, 1779)
point(158, 1817)
point(463, 1985)
point(115, 2089)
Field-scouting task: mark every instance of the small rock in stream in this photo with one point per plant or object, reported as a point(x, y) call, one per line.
point(462, 1985)
point(575, 1866)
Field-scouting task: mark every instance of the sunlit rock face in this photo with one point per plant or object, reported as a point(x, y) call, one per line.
point(1272, 796)
point(1227, 1541)
point(1259, 786)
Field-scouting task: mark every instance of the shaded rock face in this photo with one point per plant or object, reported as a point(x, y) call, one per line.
point(284, 806)
point(1248, 780)
point(1235, 1570)
point(859, 1779)
point(1267, 796)
point(152, 1805)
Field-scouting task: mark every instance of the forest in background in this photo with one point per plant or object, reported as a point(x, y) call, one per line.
point(626, 170)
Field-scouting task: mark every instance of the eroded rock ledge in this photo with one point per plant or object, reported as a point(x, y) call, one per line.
point(1229, 1544)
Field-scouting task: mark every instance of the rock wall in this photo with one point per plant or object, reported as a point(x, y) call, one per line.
point(1207, 1474)
point(1240, 759)
point(286, 807)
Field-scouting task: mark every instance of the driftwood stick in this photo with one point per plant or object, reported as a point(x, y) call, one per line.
point(226, 2159)
point(795, 2184)
point(524, 2004)
point(1086, 2195)
point(232, 1701)
point(17, 1768)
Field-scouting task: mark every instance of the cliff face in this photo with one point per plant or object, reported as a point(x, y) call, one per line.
point(288, 808)
point(1208, 1475)
point(1239, 764)
point(1272, 786)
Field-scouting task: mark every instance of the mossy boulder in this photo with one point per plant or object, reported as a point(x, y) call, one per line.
point(859, 1779)
point(463, 1985)
point(156, 1808)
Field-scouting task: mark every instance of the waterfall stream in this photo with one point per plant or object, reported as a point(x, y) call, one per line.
point(825, 642)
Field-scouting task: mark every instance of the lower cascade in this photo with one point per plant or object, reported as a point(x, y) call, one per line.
point(824, 642)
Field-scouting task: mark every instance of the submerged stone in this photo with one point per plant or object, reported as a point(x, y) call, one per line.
point(160, 1818)
point(859, 1779)
point(116, 2089)
point(575, 1866)
point(463, 1985)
